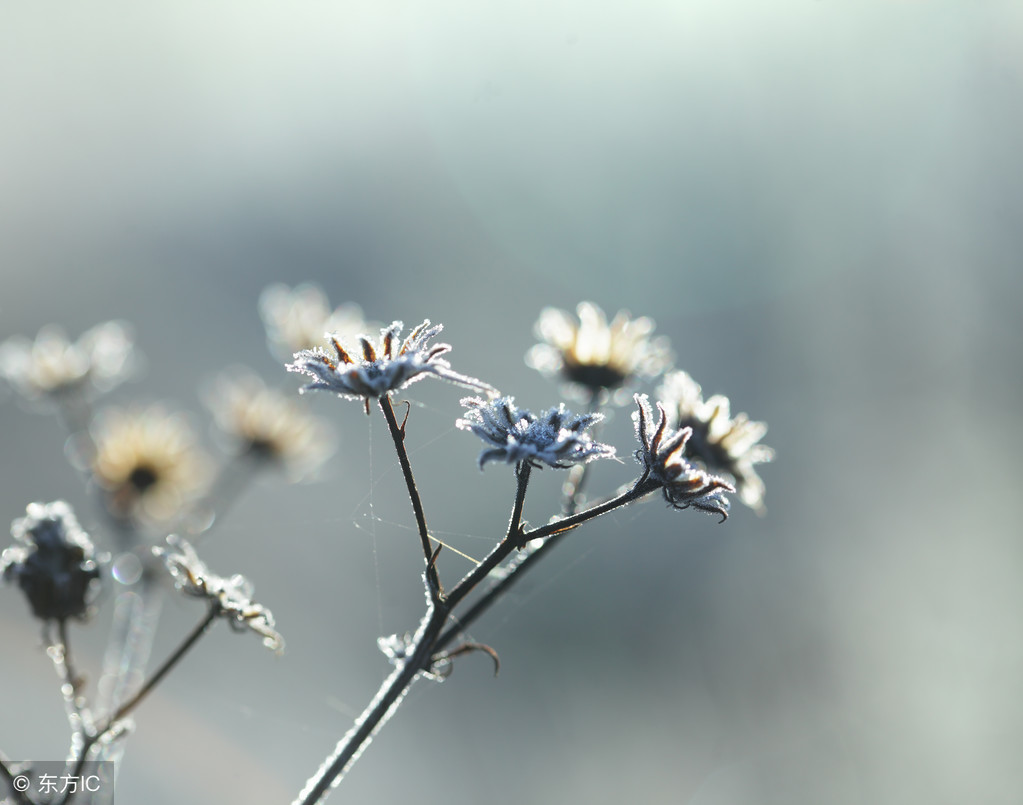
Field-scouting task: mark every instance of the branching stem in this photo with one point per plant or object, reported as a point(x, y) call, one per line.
point(398, 437)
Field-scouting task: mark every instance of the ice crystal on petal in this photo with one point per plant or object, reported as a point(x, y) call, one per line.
point(52, 365)
point(54, 562)
point(556, 437)
point(268, 425)
point(719, 442)
point(372, 371)
point(661, 454)
point(231, 596)
point(296, 318)
point(596, 356)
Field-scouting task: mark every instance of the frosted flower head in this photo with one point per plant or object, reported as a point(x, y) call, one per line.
point(660, 453)
point(719, 442)
point(267, 425)
point(296, 318)
point(595, 356)
point(232, 597)
point(556, 437)
point(373, 371)
point(147, 464)
point(53, 561)
point(52, 365)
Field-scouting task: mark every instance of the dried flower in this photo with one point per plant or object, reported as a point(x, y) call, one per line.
point(232, 597)
point(382, 369)
point(556, 437)
point(147, 463)
point(719, 442)
point(55, 563)
point(297, 318)
point(52, 365)
point(269, 425)
point(660, 453)
point(596, 356)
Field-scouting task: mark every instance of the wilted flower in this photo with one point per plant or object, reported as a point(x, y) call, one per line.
point(594, 355)
point(232, 597)
point(52, 365)
point(268, 425)
point(382, 369)
point(719, 442)
point(55, 563)
point(297, 318)
point(660, 453)
point(147, 463)
point(556, 437)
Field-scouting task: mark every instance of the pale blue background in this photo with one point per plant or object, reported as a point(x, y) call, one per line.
point(820, 204)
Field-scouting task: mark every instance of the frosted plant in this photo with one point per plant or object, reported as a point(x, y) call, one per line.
point(373, 372)
point(52, 365)
point(298, 318)
point(54, 562)
point(268, 426)
point(230, 598)
point(149, 468)
point(661, 454)
point(556, 437)
point(148, 464)
point(719, 442)
point(594, 356)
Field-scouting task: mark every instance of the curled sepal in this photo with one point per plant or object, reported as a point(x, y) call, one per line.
point(373, 371)
point(231, 597)
point(661, 454)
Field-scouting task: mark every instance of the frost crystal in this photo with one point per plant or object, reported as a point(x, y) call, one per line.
point(232, 597)
point(660, 453)
point(556, 437)
point(375, 371)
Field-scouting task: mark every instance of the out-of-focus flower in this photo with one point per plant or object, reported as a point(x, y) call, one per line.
point(719, 442)
point(52, 365)
point(147, 463)
point(54, 562)
point(595, 356)
point(298, 318)
point(268, 425)
point(390, 366)
point(232, 597)
point(556, 437)
point(660, 453)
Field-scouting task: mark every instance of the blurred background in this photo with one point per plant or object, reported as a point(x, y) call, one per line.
point(818, 202)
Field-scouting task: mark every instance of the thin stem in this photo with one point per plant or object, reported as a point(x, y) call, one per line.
point(522, 471)
point(60, 653)
point(153, 681)
point(398, 437)
point(379, 710)
point(168, 664)
point(17, 797)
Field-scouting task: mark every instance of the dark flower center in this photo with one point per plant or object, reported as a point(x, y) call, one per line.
point(143, 477)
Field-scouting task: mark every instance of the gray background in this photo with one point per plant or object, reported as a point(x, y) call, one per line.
point(820, 204)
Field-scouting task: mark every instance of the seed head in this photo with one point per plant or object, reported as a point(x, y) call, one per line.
point(660, 453)
point(719, 442)
point(556, 437)
point(53, 562)
point(594, 356)
point(371, 371)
